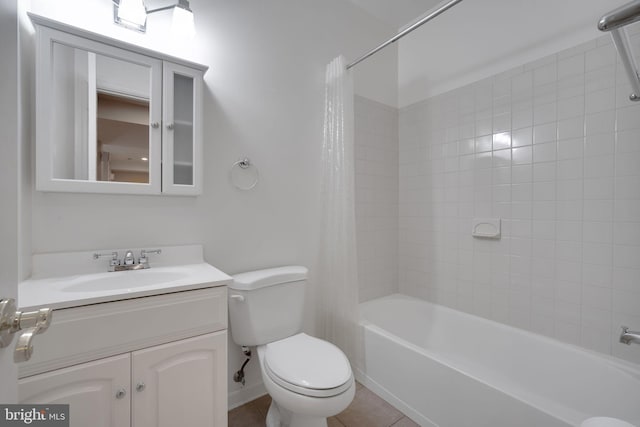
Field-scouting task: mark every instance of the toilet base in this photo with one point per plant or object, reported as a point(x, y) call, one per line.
point(289, 409)
point(282, 417)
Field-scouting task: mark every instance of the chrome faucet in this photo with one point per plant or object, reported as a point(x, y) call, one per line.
point(129, 261)
point(128, 258)
point(627, 337)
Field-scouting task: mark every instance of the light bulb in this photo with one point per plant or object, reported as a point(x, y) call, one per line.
point(182, 24)
point(132, 12)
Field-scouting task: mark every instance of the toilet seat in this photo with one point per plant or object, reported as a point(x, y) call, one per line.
point(308, 366)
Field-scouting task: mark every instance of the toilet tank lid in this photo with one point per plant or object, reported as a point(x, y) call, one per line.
point(268, 277)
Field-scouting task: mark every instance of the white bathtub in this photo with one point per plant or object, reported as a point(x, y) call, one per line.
point(446, 368)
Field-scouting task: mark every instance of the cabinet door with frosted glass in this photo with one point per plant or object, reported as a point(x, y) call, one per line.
point(182, 133)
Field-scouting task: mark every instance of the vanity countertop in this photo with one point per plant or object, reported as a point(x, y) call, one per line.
point(52, 286)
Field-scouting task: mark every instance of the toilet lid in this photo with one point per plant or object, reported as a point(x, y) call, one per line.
point(308, 365)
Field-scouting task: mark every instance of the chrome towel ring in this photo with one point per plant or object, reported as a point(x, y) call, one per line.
point(244, 174)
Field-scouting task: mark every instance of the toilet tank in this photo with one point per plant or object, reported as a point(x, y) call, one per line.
point(266, 305)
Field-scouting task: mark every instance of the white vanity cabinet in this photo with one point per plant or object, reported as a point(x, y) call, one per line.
point(112, 117)
point(158, 361)
point(183, 383)
point(90, 389)
point(180, 383)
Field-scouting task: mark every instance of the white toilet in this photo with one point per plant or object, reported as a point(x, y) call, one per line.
point(308, 379)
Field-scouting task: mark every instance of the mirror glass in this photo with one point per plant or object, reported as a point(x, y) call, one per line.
point(100, 122)
point(183, 130)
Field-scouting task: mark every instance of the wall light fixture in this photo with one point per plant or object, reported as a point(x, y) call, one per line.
point(133, 15)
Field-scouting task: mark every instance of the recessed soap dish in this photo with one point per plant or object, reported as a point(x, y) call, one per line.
point(487, 228)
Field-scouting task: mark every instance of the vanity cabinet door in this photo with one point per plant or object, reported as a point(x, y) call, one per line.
point(183, 383)
point(97, 392)
point(182, 130)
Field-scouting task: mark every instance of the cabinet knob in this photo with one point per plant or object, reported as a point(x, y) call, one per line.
point(140, 386)
point(170, 126)
point(155, 125)
point(121, 393)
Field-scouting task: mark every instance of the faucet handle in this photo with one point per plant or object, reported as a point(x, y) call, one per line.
point(150, 251)
point(144, 259)
point(114, 257)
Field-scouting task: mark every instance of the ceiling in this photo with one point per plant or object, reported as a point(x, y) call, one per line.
point(479, 38)
point(396, 13)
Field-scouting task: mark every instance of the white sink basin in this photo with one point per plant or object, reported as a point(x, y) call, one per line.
point(73, 290)
point(124, 280)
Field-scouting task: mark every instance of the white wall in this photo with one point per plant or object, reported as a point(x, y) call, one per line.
point(477, 39)
point(552, 148)
point(376, 180)
point(264, 99)
point(376, 78)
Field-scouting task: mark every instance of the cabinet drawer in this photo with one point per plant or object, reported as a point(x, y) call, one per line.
point(81, 334)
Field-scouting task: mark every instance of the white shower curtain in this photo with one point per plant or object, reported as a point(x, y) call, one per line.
point(337, 291)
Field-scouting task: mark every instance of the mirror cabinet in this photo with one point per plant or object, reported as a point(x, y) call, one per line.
point(112, 117)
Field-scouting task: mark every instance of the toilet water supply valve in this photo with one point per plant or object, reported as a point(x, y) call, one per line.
point(239, 376)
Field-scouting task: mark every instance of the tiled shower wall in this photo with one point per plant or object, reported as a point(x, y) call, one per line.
point(553, 149)
point(376, 151)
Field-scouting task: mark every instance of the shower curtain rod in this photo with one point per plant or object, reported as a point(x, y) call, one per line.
point(615, 21)
point(403, 33)
point(624, 15)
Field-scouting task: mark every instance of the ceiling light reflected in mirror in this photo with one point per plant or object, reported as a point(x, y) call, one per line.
point(133, 14)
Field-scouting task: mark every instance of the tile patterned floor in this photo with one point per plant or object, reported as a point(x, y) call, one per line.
point(366, 410)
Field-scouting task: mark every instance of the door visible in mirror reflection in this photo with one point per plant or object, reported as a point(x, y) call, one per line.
point(123, 139)
point(101, 123)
